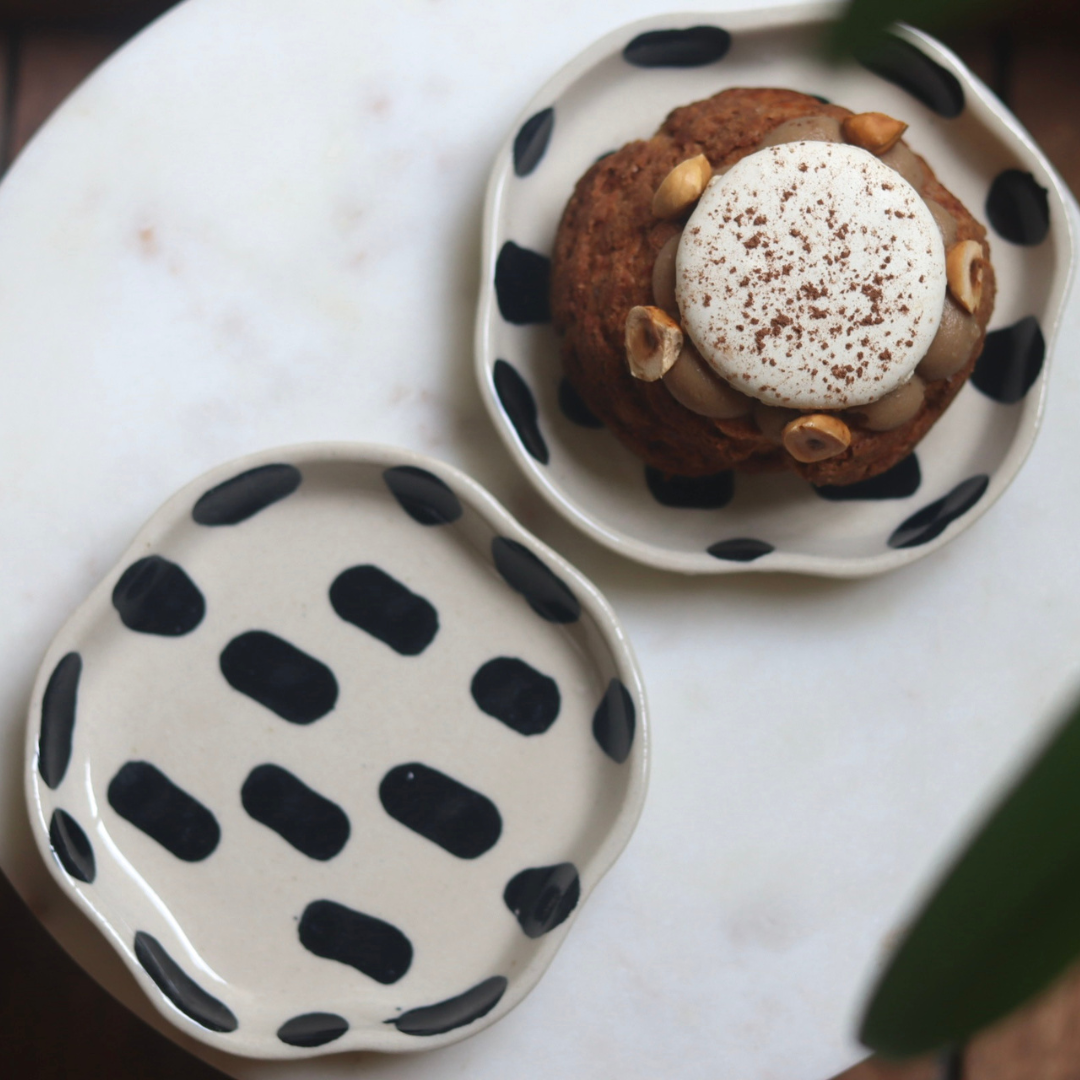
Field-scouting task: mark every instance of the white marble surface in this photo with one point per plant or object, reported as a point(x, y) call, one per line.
point(259, 224)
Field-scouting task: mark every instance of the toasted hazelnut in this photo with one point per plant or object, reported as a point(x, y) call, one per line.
point(816, 437)
point(663, 277)
point(964, 272)
point(682, 187)
point(895, 408)
point(873, 131)
point(653, 342)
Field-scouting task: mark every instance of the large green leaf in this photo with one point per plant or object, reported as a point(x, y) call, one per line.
point(1003, 923)
point(862, 22)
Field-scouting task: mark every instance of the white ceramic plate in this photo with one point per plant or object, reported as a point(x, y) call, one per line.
point(334, 753)
point(620, 89)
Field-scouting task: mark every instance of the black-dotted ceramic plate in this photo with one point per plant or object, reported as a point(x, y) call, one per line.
point(334, 754)
point(621, 89)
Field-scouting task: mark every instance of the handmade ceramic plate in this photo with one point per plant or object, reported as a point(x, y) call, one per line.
point(621, 89)
point(334, 753)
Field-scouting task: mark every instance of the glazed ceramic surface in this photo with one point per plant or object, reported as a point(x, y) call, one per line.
point(258, 225)
point(334, 753)
point(620, 89)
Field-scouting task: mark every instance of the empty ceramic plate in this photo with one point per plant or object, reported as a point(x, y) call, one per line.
point(334, 754)
point(621, 89)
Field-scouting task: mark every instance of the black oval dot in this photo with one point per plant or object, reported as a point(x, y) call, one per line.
point(902, 480)
point(931, 521)
point(520, 405)
point(440, 809)
point(542, 897)
point(547, 594)
point(902, 64)
point(313, 1029)
point(574, 408)
point(453, 1013)
point(384, 608)
point(423, 496)
point(613, 722)
point(274, 673)
point(739, 549)
point(517, 694)
point(155, 596)
point(58, 719)
point(532, 140)
point(693, 47)
point(72, 847)
point(1018, 207)
point(179, 987)
point(1011, 361)
point(245, 495)
point(691, 492)
point(145, 796)
point(309, 821)
point(373, 947)
point(523, 285)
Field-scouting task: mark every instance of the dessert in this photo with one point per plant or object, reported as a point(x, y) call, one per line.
point(769, 282)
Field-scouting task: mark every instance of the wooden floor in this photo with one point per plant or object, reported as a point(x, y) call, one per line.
point(55, 1022)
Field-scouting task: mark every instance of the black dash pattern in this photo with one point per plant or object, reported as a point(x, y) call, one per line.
point(1018, 208)
point(740, 549)
point(71, 846)
point(441, 809)
point(310, 822)
point(453, 1013)
point(383, 607)
point(245, 495)
point(520, 406)
point(517, 694)
point(547, 594)
point(1011, 361)
point(374, 947)
point(711, 492)
point(614, 721)
point(542, 897)
point(279, 676)
point(532, 140)
point(180, 988)
point(899, 482)
point(426, 498)
point(908, 67)
point(58, 707)
point(143, 795)
point(574, 408)
point(523, 285)
point(313, 1029)
point(931, 521)
point(692, 47)
point(155, 596)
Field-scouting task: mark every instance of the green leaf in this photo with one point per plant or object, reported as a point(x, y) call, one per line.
point(1002, 925)
point(864, 22)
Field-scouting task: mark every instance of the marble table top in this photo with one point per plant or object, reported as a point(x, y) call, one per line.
point(259, 224)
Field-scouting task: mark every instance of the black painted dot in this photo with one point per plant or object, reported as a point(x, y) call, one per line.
point(1011, 361)
point(523, 285)
point(384, 608)
point(441, 809)
point(574, 408)
point(453, 1013)
point(532, 140)
point(245, 495)
point(931, 521)
point(739, 549)
point(520, 405)
point(58, 719)
point(145, 796)
point(313, 1029)
point(613, 722)
point(155, 596)
point(823, 100)
point(274, 673)
point(375, 948)
point(902, 64)
point(1018, 207)
point(693, 47)
point(179, 987)
point(517, 694)
point(547, 594)
point(691, 492)
point(71, 847)
point(542, 897)
point(309, 821)
point(902, 480)
point(423, 496)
